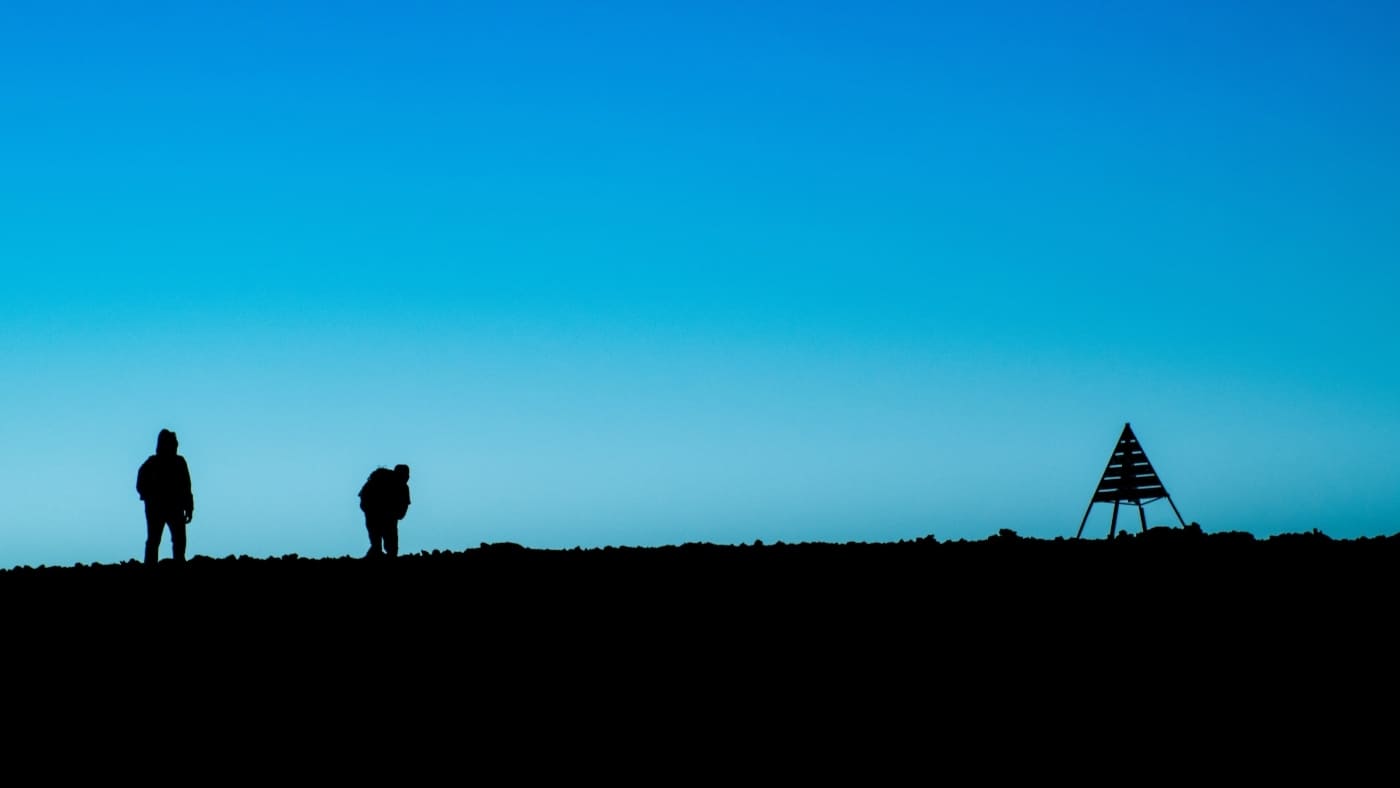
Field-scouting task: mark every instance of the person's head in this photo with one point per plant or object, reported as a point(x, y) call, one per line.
point(166, 442)
point(401, 472)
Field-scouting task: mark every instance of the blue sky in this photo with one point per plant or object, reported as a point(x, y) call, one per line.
point(643, 274)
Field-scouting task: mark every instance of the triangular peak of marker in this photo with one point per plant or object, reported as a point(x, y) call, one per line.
point(1128, 479)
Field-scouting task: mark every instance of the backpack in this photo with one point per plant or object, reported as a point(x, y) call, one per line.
point(377, 490)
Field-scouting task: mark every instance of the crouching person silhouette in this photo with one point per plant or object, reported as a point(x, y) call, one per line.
point(163, 482)
point(384, 499)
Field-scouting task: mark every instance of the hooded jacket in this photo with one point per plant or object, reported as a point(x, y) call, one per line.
point(163, 481)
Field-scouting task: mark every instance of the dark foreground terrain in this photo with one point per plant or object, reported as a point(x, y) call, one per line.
point(1197, 637)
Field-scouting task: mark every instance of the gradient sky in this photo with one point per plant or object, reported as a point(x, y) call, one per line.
point(654, 273)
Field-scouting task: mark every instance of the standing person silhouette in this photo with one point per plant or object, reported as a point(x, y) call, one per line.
point(163, 482)
point(384, 499)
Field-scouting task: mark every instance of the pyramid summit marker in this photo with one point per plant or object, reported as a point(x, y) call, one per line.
point(1131, 479)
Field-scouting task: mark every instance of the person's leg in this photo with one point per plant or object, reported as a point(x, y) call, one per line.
point(154, 525)
point(372, 527)
point(177, 537)
point(391, 538)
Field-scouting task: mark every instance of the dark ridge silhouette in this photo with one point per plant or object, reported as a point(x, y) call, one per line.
point(1004, 573)
point(664, 649)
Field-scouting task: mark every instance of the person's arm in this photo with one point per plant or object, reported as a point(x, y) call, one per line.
point(188, 488)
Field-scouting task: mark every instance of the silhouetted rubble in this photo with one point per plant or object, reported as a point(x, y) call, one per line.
point(812, 638)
